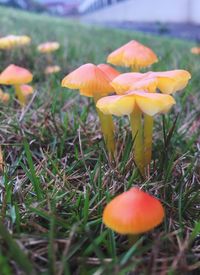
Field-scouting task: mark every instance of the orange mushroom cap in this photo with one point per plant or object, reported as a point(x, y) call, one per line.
point(48, 47)
point(132, 54)
point(15, 75)
point(26, 89)
point(134, 81)
point(109, 71)
point(149, 103)
point(167, 82)
point(4, 97)
point(133, 212)
point(89, 79)
point(52, 69)
point(195, 50)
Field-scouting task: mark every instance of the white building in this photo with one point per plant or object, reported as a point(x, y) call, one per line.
point(177, 11)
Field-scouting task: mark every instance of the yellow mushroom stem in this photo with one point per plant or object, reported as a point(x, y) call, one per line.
point(148, 133)
point(20, 96)
point(107, 127)
point(137, 134)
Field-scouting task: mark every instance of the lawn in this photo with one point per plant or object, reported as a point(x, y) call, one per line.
point(57, 178)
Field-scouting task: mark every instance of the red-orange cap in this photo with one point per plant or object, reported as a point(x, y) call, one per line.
point(89, 79)
point(133, 212)
point(109, 71)
point(132, 54)
point(15, 75)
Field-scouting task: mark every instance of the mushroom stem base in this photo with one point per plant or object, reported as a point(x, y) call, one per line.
point(137, 134)
point(148, 133)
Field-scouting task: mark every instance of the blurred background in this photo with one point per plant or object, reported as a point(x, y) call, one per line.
point(179, 18)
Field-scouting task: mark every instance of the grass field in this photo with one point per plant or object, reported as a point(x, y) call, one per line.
point(58, 179)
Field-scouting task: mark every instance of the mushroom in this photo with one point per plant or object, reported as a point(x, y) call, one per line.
point(52, 69)
point(167, 82)
point(4, 97)
point(195, 50)
point(11, 41)
point(133, 212)
point(25, 92)
point(134, 55)
point(47, 48)
point(91, 81)
point(16, 76)
point(134, 103)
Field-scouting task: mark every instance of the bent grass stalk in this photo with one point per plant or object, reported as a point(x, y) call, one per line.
point(107, 127)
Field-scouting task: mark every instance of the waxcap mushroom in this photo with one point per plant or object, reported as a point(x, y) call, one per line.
point(15, 75)
point(4, 97)
point(195, 50)
point(109, 71)
point(11, 41)
point(133, 212)
point(52, 69)
point(133, 54)
point(167, 82)
point(89, 79)
point(48, 47)
point(148, 103)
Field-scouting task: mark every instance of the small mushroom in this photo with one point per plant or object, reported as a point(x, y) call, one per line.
point(47, 48)
point(133, 212)
point(195, 50)
point(91, 81)
point(134, 55)
point(16, 76)
point(4, 97)
point(52, 69)
point(26, 92)
point(134, 103)
point(12, 41)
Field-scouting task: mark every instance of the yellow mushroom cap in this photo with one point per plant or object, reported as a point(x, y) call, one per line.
point(170, 82)
point(4, 97)
point(11, 41)
point(132, 54)
point(24, 40)
point(109, 71)
point(15, 75)
point(89, 79)
point(133, 212)
point(167, 82)
point(52, 69)
point(195, 50)
point(48, 47)
point(149, 103)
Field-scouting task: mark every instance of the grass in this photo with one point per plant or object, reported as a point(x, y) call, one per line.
point(57, 177)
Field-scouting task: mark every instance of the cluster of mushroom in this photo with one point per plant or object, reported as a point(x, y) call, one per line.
point(135, 95)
